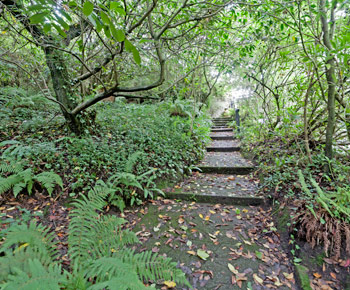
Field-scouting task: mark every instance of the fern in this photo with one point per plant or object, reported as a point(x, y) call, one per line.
point(96, 248)
point(38, 277)
point(33, 237)
point(12, 167)
point(132, 161)
point(8, 183)
point(48, 180)
point(25, 179)
point(113, 273)
point(150, 266)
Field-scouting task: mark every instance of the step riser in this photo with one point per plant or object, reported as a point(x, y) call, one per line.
point(221, 130)
point(223, 149)
point(231, 200)
point(222, 138)
point(227, 170)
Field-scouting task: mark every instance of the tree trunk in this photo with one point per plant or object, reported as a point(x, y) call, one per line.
point(63, 88)
point(330, 76)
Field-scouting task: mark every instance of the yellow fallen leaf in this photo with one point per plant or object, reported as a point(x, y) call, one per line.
point(257, 279)
point(192, 253)
point(21, 247)
point(288, 276)
point(232, 269)
point(211, 211)
point(245, 210)
point(207, 218)
point(200, 215)
point(169, 284)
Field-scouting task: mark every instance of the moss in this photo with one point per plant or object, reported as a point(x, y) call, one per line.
point(303, 277)
point(282, 219)
point(319, 259)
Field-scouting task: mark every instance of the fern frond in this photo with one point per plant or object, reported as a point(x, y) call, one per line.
point(83, 218)
point(49, 180)
point(153, 267)
point(92, 235)
point(109, 237)
point(38, 277)
point(12, 167)
point(129, 165)
point(31, 237)
point(7, 183)
point(113, 273)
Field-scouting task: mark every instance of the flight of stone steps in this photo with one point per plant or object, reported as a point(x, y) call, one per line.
point(224, 174)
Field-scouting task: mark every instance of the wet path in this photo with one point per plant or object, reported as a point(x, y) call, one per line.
point(215, 227)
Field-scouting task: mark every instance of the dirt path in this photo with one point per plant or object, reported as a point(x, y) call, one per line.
point(227, 242)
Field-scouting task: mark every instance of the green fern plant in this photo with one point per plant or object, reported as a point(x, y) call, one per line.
point(97, 249)
point(129, 185)
point(20, 179)
point(335, 203)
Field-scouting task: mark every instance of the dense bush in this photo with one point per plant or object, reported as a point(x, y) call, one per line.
point(146, 143)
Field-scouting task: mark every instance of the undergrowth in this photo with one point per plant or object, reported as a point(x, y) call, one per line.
point(97, 248)
point(131, 146)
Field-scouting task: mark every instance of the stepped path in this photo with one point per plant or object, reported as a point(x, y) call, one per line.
point(215, 226)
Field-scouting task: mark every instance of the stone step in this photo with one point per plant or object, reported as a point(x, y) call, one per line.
point(221, 129)
point(223, 149)
point(222, 199)
point(239, 170)
point(222, 119)
point(221, 137)
point(221, 122)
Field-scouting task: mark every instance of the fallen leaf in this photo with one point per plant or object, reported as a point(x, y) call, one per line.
point(202, 254)
point(317, 275)
point(192, 253)
point(333, 275)
point(288, 276)
point(345, 263)
point(232, 268)
point(169, 284)
point(257, 279)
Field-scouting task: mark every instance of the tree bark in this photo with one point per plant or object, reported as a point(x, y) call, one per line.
point(330, 76)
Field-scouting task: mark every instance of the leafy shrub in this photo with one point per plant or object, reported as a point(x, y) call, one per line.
point(168, 147)
point(25, 178)
point(324, 217)
point(97, 249)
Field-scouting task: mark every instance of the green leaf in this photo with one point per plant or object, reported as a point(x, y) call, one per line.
point(62, 22)
point(116, 7)
point(36, 7)
point(59, 30)
point(118, 34)
point(136, 55)
point(38, 18)
point(128, 45)
point(104, 17)
point(202, 254)
point(258, 255)
point(47, 27)
point(88, 8)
